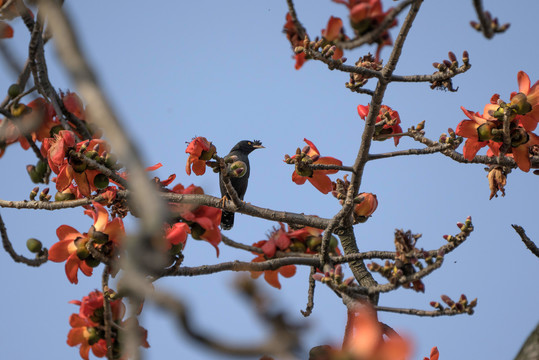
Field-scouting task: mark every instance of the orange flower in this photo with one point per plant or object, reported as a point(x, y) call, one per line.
point(278, 239)
point(71, 246)
point(204, 221)
point(333, 33)
point(6, 31)
point(73, 104)
point(176, 234)
point(367, 15)
point(434, 354)
point(477, 131)
point(367, 206)
point(318, 178)
point(200, 150)
point(367, 341)
point(86, 336)
point(86, 326)
point(272, 276)
point(70, 168)
point(391, 120)
point(521, 141)
point(293, 35)
point(71, 242)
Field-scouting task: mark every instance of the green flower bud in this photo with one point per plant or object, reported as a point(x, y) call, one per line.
point(41, 168)
point(91, 262)
point(34, 176)
point(34, 245)
point(484, 131)
point(82, 252)
point(298, 246)
point(64, 196)
point(197, 231)
point(94, 336)
point(101, 181)
point(14, 90)
point(207, 155)
point(77, 164)
point(313, 242)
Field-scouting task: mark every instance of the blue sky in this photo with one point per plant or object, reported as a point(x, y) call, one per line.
point(224, 71)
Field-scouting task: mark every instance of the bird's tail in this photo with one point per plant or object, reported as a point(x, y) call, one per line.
point(227, 220)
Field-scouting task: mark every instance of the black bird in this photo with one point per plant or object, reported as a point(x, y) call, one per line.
point(239, 152)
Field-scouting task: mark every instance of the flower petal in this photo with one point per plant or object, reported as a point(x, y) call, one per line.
point(321, 182)
point(523, 82)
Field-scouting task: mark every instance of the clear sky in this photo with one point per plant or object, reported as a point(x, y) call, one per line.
point(223, 70)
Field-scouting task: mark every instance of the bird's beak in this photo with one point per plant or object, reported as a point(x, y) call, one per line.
point(259, 147)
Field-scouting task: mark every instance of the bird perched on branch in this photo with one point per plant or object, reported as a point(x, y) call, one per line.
point(238, 171)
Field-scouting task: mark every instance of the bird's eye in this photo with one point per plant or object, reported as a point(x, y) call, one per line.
point(250, 143)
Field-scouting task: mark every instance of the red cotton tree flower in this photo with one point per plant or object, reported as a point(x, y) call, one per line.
point(318, 178)
point(72, 246)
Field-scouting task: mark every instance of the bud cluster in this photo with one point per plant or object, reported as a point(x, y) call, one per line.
point(449, 138)
point(303, 158)
point(321, 46)
point(494, 24)
point(407, 259)
point(358, 80)
point(333, 275)
point(465, 229)
point(460, 306)
point(449, 67)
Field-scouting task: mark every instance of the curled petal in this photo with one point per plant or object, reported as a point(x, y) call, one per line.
point(523, 82)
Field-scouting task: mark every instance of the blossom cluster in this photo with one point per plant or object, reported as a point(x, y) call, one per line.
point(88, 327)
point(505, 127)
point(306, 240)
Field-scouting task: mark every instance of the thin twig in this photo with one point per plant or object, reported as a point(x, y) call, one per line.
point(16, 257)
point(526, 240)
point(310, 296)
point(418, 312)
point(486, 27)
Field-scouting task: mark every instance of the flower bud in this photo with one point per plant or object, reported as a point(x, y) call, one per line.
point(14, 90)
point(313, 242)
point(197, 231)
point(77, 164)
point(34, 176)
point(208, 154)
point(92, 262)
point(101, 181)
point(34, 245)
point(41, 168)
point(298, 246)
point(33, 193)
point(64, 196)
point(465, 57)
